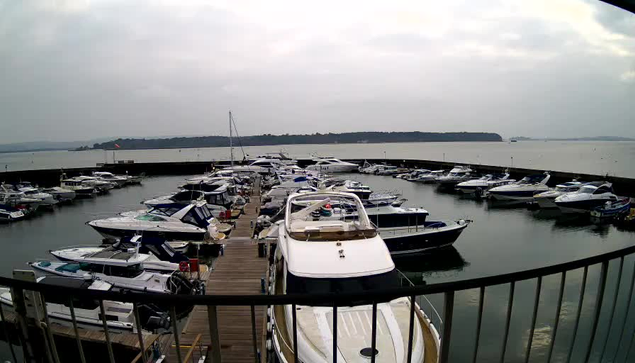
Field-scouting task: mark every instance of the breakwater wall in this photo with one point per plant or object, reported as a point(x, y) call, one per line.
point(51, 177)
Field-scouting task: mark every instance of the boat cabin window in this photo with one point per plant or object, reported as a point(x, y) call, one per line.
point(587, 190)
point(187, 195)
point(150, 218)
point(165, 210)
point(603, 189)
point(119, 271)
point(195, 217)
point(306, 285)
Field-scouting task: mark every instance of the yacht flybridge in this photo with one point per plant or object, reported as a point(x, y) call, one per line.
point(172, 221)
point(358, 261)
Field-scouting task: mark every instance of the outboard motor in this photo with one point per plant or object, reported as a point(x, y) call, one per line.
point(154, 318)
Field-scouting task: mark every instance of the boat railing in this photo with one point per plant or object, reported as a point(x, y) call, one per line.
point(435, 316)
point(598, 299)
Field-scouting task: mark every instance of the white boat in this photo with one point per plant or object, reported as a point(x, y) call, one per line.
point(17, 199)
point(100, 186)
point(431, 177)
point(173, 221)
point(88, 313)
point(332, 165)
point(588, 197)
point(46, 199)
point(260, 166)
point(546, 200)
point(416, 174)
point(458, 174)
point(218, 197)
point(482, 184)
point(10, 214)
point(358, 261)
point(81, 189)
point(60, 194)
point(117, 180)
point(522, 190)
point(161, 256)
point(122, 269)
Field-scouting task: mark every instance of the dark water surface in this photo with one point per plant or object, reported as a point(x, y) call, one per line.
point(501, 239)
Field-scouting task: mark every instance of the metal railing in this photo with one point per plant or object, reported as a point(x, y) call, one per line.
point(449, 290)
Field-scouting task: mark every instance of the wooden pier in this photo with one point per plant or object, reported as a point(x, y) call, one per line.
point(238, 271)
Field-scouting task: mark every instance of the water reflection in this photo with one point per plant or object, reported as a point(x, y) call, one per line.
point(416, 267)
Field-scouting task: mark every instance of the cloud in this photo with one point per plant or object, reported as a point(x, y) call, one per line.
point(166, 67)
point(628, 76)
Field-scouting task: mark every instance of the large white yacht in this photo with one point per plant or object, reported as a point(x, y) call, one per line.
point(458, 174)
point(547, 199)
point(588, 197)
point(358, 262)
point(483, 183)
point(522, 190)
point(117, 180)
point(332, 165)
point(173, 221)
point(46, 199)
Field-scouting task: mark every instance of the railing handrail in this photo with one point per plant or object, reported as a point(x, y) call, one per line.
point(341, 299)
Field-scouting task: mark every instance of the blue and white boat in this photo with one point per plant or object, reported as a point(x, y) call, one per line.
point(589, 197)
point(613, 209)
point(522, 190)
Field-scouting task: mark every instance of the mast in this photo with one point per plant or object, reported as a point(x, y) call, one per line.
point(231, 143)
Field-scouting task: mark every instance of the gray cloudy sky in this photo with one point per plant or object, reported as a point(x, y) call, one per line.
point(74, 70)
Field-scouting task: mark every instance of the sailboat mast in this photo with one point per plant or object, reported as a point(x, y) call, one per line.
point(231, 141)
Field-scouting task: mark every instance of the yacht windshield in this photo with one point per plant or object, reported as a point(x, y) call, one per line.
point(306, 285)
point(587, 190)
point(165, 210)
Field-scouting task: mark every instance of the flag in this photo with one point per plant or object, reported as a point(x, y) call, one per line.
point(117, 146)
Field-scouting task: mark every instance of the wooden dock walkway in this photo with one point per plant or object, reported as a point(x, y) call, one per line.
point(237, 272)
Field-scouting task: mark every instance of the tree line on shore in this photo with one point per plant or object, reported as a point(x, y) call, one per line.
point(286, 139)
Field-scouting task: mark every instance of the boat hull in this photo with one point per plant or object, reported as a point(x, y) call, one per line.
point(580, 206)
point(116, 234)
point(426, 239)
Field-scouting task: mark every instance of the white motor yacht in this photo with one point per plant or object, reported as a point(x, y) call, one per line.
point(100, 185)
point(218, 197)
point(483, 183)
point(88, 313)
point(17, 199)
point(46, 199)
point(117, 180)
point(546, 200)
point(416, 174)
point(431, 177)
point(62, 195)
point(458, 174)
point(81, 189)
point(260, 166)
point(359, 262)
point(588, 197)
point(347, 186)
point(522, 190)
point(10, 214)
point(173, 221)
point(161, 256)
point(332, 165)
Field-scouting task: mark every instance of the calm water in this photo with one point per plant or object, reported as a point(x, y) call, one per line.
point(500, 240)
point(615, 158)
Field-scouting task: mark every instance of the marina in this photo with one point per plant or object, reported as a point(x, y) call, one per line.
point(515, 235)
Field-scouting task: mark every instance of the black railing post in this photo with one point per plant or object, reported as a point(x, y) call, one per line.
point(533, 319)
point(598, 308)
point(104, 322)
point(479, 321)
point(510, 306)
point(628, 306)
point(137, 320)
point(49, 330)
point(579, 313)
point(448, 312)
point(556, 321)
point(295, 333)
point(6, 334)
point(335, 333)
point(253, 333)
point(212, 319)
point(617, 292)
point(411, 327)
point(373, 336)
point(80, 349)
point(175, 331)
